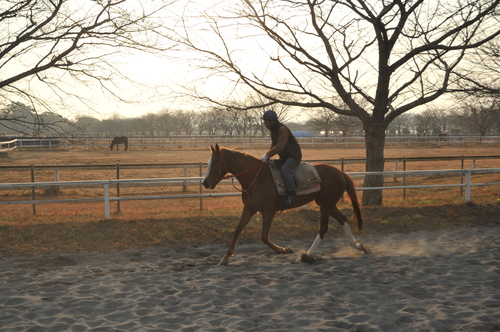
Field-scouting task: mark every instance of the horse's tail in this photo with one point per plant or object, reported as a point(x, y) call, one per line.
point(358, 220)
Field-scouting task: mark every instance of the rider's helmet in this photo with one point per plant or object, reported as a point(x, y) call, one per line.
point(270, 115)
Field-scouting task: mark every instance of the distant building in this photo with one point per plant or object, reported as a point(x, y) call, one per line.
point(301, 133)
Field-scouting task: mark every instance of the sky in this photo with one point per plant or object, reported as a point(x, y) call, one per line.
point(159, 78)
point(163, 75)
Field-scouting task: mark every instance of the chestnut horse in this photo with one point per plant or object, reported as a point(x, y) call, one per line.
point(261, 195)
point(119, 140)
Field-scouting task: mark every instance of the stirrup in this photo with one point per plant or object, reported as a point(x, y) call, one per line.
point(289, 199)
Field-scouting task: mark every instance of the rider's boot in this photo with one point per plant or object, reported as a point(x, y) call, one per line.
point(289, 199)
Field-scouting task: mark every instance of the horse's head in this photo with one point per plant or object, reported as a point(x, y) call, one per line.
point(215, 169)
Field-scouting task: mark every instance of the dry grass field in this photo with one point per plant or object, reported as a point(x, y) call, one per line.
point(80, 227)
point(201, 154)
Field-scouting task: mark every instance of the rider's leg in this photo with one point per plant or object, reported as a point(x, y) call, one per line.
point(287, 174)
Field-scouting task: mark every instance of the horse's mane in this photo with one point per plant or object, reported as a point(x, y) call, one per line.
point(239, 153)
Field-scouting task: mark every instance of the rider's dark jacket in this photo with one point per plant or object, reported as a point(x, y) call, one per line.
point(284, 143)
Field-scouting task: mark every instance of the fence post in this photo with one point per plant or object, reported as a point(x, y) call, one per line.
point(404, 177)
point(33, 189)
point(467, 186)
point(201, 187)
point(395, 170)
point(342, 169)
point(56, 189)
point(462, 177)
point(106, 201)
point(184, 183)
point(118, 187)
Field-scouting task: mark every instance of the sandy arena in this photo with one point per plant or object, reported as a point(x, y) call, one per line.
point(423, 281)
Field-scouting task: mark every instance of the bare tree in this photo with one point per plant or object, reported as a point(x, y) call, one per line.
point(201, 122)
point(496, 111)
point(87, 123)
point(215, 120)
point(18, 118)
point(326, 120)
point(56, 46)
point(322, 120)
point(178, 121)
point(392, 55)
point(427, 122)
point(149, 124)
point(186, 121)
point(257, 104)
point(346, 124)
point(481, 78)
point(402, 125)
point(478, 115)
point(165, 123)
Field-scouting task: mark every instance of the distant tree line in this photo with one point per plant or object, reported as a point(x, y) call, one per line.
point(480, 117)
point(467, 119)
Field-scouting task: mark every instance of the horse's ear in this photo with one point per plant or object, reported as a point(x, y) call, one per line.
point(212, 148)
point(217, 147)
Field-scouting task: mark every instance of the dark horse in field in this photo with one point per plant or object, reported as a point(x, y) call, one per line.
point(442, 137)
point(259, 194)
point(119, 140)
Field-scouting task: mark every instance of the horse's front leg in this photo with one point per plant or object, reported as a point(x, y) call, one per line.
point(246, 215)
point(267, 220)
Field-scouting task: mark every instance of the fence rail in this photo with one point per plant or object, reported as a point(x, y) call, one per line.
point(90, 143)
point(107, 199)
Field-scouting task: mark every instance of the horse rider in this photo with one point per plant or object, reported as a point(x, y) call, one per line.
point(284, 144)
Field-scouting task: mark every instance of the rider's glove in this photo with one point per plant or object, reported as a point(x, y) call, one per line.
point(265, 158)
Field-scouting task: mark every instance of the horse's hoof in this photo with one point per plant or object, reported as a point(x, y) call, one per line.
point(306, 258)
point(288, 250)
point(365, 249)
point(223, 262)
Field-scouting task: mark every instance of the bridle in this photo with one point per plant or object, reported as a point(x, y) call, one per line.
point(232, 176)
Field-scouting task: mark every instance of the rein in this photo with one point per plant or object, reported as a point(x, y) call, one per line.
point(232, 176)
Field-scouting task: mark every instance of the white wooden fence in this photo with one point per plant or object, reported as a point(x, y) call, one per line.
point(91, 143)
point(107, 199)
point(6, 147)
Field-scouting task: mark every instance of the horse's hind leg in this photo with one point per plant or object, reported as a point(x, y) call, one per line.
point(353, 242)
point(337, 215)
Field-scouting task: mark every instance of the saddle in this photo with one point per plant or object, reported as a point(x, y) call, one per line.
point(305, 175)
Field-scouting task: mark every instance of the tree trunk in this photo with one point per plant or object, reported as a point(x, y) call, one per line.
point(375, 141)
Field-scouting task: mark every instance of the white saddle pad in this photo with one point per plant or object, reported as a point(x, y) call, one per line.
point(306, 178)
